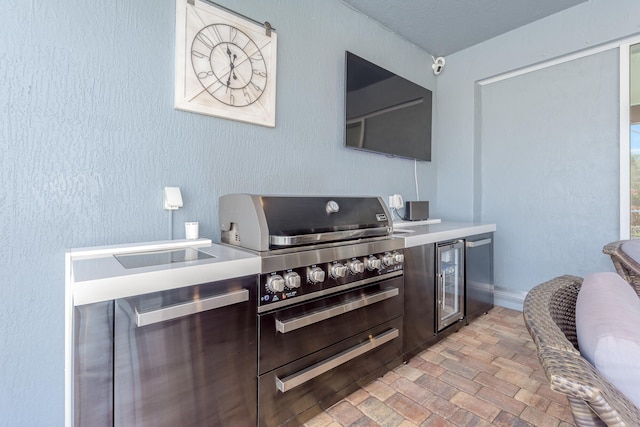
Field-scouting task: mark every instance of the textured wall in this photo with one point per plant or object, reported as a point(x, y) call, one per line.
point(89, 138)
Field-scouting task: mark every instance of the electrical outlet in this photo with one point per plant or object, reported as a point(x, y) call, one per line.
point(395, 201)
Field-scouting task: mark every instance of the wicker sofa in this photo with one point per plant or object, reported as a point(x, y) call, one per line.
point(549, 314)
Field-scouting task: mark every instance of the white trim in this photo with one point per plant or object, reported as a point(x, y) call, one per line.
point(509, 298)
point(68, 343)
point(561, 59)
point(625, 186)
point(97, 251)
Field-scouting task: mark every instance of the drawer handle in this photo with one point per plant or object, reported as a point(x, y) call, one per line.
point(478, 243)
point(307, 374)
point(191, 307)
point(309, 319)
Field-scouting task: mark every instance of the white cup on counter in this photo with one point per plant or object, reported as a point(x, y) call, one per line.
point(191, 230)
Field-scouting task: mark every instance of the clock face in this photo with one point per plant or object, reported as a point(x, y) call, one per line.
point(229, 65)
point(225, 64)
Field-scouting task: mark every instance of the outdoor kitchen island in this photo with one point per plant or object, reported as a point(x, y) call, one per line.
point(142, 296)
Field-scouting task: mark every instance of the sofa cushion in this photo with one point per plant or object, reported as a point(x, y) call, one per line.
point(608, 329)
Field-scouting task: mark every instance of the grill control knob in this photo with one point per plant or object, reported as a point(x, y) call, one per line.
point(275, 283)
point(338, 270)
point(332, 207)
point(315, 275)
point(398, 257)
point(356, 266)
point(373, 263)
point(292, 280)
point(388, 259)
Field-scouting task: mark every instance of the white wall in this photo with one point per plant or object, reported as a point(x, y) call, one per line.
point(89, 137)
point(548, 224)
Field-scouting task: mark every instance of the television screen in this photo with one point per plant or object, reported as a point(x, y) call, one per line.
point(386, 113)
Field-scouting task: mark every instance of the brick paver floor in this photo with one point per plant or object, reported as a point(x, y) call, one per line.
point(486, 374)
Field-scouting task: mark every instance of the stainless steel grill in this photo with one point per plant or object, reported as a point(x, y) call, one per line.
point(311, 246)
point(330, 296)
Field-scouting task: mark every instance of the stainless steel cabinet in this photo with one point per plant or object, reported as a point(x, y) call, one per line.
point(93, 365)
point(447, 284)
point(419, 306)
point(434, 294)
point(187, 357)
point(184, 357)
point(479, 252)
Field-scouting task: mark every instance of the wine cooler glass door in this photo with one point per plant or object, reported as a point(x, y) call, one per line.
point(450, 284)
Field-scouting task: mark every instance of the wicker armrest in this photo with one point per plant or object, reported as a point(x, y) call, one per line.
point(625, 265)
point(574, 376)
point(549, 314)
point(553, 326)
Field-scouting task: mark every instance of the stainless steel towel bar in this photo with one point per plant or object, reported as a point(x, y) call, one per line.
point(284, 326)
point(191, 307)
point(307, 374)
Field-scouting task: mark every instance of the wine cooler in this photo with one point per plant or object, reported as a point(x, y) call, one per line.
point(450, 284)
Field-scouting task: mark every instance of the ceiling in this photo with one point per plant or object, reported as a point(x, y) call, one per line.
point(443, 27)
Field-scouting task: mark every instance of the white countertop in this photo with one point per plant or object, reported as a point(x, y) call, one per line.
point(422, 234)
point(96, 275)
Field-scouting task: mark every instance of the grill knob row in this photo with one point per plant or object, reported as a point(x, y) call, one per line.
point(292, 280)
point(277, 283)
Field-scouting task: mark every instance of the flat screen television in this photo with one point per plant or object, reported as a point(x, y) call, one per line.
point(386, 113)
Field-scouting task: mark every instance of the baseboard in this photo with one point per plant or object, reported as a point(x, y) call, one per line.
point(508, 298)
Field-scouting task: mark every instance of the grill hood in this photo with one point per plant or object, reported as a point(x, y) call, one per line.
point(263, 223)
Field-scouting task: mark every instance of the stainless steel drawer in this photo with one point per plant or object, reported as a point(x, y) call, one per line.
point(317, 381)
point(292, 333)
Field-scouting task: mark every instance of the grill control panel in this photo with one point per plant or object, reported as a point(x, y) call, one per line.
point(286, 287)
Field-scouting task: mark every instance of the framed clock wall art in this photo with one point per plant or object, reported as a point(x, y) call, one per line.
point(225, 64)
